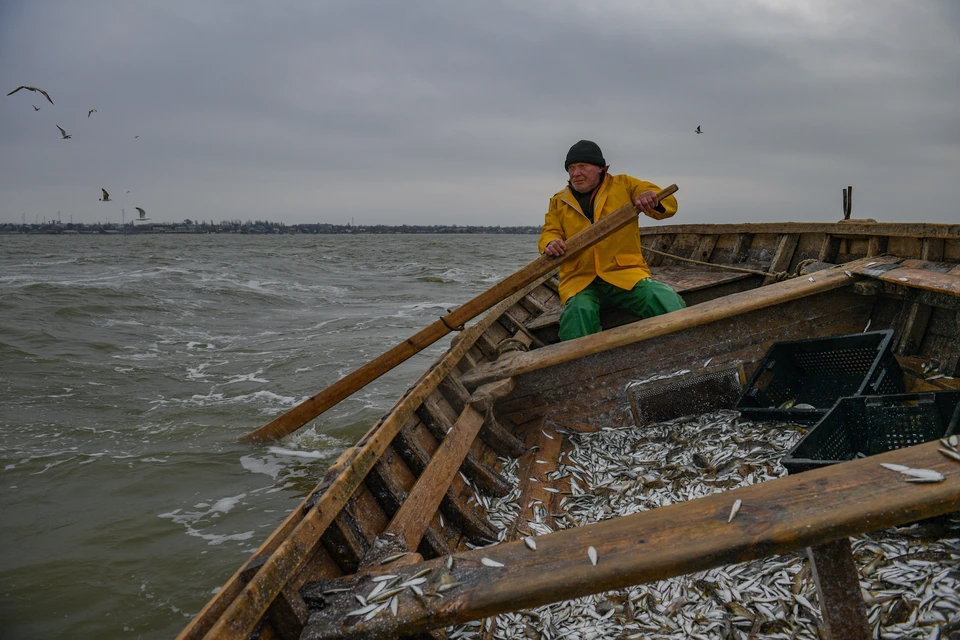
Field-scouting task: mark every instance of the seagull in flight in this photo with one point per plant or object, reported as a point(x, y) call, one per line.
point(64, 135)
point(143, 212)
point(91, 112)
point(106, 196)
point(35, 107)
point(698, 129)
point(45, 94)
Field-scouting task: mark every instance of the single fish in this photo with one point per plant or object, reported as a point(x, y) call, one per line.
point(531, 543)
point(734, 510)
point(950, 453)
point(788, 404)
point(592, 554)
point(490, 563)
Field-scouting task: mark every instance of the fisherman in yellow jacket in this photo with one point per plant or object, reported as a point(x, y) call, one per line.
point(613, 273)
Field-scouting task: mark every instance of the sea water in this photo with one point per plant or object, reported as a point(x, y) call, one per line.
point(129, 366)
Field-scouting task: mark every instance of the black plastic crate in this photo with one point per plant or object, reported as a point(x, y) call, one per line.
point(867, 425)
point(818, 372)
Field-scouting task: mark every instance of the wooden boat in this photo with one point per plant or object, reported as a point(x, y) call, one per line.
point(407, 499)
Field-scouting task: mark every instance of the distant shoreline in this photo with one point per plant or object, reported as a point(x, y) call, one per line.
point(260, 228)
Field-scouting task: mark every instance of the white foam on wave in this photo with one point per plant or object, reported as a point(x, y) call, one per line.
point(249, 377)
point(269, 465)
point(281, 451)
point(189, 518)
point(200, 345)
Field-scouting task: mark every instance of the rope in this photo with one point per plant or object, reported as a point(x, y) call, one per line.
point(511, 344)
point(779, 275)
point(443, 319)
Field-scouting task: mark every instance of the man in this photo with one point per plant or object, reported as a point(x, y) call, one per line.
point(613, 273)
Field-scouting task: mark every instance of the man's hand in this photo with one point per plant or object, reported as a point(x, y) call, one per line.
point(646, 201)
point(556, 248)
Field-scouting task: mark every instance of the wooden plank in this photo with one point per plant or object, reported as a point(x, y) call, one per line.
point(705, 248)
point(704, 313)
point(829, 249)
point(495, 435)
point(390, 481)
point(887, 229)
point(913, 329)
point(561, 393)
point(474, 525)
point(662, 242)
point(838, 587)
point(409, 523)
point(786, 246)
point(935, 281)
point(876, 246)
point(775, 517)
point(741, 248)
point(485, 478)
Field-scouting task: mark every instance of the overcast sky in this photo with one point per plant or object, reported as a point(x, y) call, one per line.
point(462, 112)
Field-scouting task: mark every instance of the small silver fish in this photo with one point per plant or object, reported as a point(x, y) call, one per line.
point(362, 610)
point(392, 558)
point(894, 467)
point(733, 510)
point(490, 563)
point(531, 543)
point(381, 578)
point(950, 453)
point(788, 404)
point(592, 554)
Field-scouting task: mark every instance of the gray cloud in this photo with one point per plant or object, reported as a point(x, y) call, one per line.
point(433, 112)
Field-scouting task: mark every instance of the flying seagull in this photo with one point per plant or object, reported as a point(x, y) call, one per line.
point(143, 213)
point(91, 111)
point(64, 134)
point(45, 94)
point(106, 196)
point(698, 129)
point(35, 107)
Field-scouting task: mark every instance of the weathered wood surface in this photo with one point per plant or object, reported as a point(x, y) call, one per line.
point(729, 306)
point(926, 279)
point(310, 408)
point(238, 608)
point(838, 585)
point(409, 523)
point(897, 229)
point(592, 390)
point(486, 478)
point(775, 517)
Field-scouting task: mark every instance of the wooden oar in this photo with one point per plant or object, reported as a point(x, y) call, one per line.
point(314, 406)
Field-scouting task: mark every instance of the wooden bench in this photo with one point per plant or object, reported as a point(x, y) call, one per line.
point(818, 510)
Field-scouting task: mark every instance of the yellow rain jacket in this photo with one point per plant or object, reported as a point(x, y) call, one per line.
point(617, 258)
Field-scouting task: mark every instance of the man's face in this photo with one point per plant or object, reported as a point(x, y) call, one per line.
point(584, 177)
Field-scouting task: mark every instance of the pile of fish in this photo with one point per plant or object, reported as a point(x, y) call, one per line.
point(910, 575)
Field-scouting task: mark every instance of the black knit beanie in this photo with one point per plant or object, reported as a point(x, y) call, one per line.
point(585, 151)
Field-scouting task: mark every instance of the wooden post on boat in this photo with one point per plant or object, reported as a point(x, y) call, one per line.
point(847, 202)
point(312, 407)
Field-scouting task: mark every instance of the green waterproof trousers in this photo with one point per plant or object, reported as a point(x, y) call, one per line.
point(648, 298)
